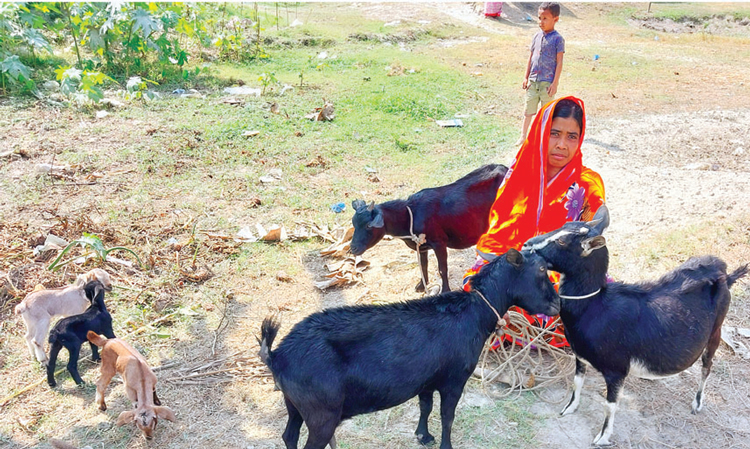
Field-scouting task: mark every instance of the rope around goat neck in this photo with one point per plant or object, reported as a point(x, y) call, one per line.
point(418, 240)
point(582, 296)
point(500, 321)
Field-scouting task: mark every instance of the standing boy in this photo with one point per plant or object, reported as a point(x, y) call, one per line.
point(545, 64)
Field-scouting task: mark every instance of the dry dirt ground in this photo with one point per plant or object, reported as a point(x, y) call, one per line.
point(678, 184)
point(662, 172)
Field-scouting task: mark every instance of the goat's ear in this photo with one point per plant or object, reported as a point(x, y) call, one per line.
point(356, 204)
point(371, 206)
point(592, 244)
point(377, 221)
point(125, 417)
point(601, 219)
point(514, 258)
point(164, 412)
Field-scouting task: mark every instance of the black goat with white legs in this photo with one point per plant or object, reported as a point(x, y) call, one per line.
point(450, 216)
point(70, 332)
point(348, 361)
point(653, 328)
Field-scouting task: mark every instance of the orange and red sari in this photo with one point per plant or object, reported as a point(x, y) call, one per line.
point(528, 204)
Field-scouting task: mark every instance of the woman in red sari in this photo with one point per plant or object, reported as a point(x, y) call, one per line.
point(546, 186)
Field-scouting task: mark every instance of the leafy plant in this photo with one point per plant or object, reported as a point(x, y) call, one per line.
point(137, 87)
point(94, 243)
point(13, 71)
point(81, 86)
point(266, 79)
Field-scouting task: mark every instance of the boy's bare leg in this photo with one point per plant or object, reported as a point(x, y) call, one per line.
point(526, 123)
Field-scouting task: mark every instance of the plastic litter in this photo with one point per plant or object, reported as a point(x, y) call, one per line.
point(242, 90)
point(596, 57)
point(450, 123)
point(178, 91)
point(285, 88)
point(338, 207)
point(51, 242)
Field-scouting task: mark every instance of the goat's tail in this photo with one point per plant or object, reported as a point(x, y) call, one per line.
point(268, 331)
point(96, 338)
point(737, 274)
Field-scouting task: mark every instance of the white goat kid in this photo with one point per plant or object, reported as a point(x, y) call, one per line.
point(39, 307)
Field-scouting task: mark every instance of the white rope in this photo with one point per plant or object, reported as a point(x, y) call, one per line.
point(517, 365)
point(580, 297)
point(418, 240)
point(500, 321)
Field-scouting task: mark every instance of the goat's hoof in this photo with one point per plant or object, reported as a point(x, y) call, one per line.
point(601, 441)
point(697, 407)
point(52, 384)
point(425, 440)
point(567, 411)
point(103, 407)
point(419, 287)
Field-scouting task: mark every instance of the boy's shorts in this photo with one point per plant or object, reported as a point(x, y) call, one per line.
point(536, 93)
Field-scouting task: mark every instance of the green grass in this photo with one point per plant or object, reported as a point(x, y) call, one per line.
point(698, 11)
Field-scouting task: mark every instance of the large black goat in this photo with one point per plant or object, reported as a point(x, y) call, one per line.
point(450, 216)
point(71, 332)
point(347, 361)
point(655, 329)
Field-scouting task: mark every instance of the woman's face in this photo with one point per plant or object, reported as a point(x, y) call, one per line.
point(563, 143)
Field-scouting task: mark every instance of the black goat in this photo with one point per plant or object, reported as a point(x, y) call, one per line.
point(71, 332)
point(656, 328)
point(347, 361)
point(450, 216)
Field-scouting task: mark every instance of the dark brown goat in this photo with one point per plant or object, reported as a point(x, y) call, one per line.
point(450, 216)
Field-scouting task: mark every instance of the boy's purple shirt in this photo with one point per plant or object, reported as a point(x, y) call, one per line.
point(544, 49)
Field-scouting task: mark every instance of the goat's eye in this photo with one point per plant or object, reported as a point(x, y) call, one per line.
point(543, 269)
point(561, 242)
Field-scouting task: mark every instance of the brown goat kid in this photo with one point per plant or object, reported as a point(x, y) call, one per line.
point(140, 383)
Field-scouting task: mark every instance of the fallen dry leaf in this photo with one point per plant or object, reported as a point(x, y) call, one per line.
point(283, 277)
point(324, 114)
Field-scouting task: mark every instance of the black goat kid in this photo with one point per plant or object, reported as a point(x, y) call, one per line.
point(649, 329)
point(71, 332)
point(449, 216)
point(348, 361)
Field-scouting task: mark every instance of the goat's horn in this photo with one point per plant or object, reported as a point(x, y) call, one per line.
point(371, 206)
